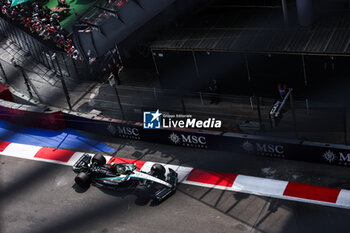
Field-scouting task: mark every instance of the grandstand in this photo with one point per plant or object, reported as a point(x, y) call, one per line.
point(47, 29)
point(90, 32)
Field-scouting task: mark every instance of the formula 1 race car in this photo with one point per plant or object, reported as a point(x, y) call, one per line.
point(94, 170)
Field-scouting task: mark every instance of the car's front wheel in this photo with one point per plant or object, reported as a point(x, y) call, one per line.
point(83, 180)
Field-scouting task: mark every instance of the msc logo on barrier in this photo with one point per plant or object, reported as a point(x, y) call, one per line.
point(189, 140)
point(124, 131)
point(265, 149)
point(340, 157)
point(151, 120)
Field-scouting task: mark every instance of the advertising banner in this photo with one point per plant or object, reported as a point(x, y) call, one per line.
point(236, 143)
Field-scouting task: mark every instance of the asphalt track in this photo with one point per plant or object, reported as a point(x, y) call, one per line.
point(42, 197)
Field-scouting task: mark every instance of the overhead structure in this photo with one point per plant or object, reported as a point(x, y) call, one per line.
point(329, 36)
point(106, 24)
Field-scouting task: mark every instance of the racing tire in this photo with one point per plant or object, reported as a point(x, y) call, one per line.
point(158, 171)
point(99, 159)
point(83, 180)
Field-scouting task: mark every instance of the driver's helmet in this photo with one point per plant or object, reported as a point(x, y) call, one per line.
point(120, 169)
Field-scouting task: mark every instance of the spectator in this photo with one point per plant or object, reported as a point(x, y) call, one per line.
point(37, 19)
point(36, 8)
point(282, 90)
point(62, 3)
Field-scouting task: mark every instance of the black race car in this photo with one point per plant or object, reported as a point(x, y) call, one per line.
point(94, 170)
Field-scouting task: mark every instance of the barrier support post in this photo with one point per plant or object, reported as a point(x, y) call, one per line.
point(66, 92)
point(183, 104)
point(60, 75)
point(258, 100)
point(118, 99)
point(3, 73)
point(345, 126)
point(26, 82)
point(155, 63)
point(293, 112)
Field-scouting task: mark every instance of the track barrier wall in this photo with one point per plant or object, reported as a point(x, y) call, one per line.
point(5, 93)
point(239, 143)
point(42, 117)
point(31, 116)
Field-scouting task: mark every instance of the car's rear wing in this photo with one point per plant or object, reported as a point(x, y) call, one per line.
point(82, 163)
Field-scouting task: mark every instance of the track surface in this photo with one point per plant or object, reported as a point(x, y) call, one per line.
point(41, 197)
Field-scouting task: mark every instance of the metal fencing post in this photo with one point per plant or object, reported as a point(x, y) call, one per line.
point(258, 100)
point(293, 113)
point(58, 65)
point(183, 104)
point(195, 63)
point(345, 126)
point(26, 81)
point(65, 63)
point(304, 70)
point(307, 106)
point(251, 102)
point(66, 93)
point(3, 73)
point(118, 99)
point(155, 63)
point(75, 67)
point(247, 67)
point(201, 97)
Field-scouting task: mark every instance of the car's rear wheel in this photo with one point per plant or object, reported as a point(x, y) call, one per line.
point(99, 159)
point(83, 180)
point(158, 171)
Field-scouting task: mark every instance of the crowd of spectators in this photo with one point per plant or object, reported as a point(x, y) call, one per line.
point(41, 20)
